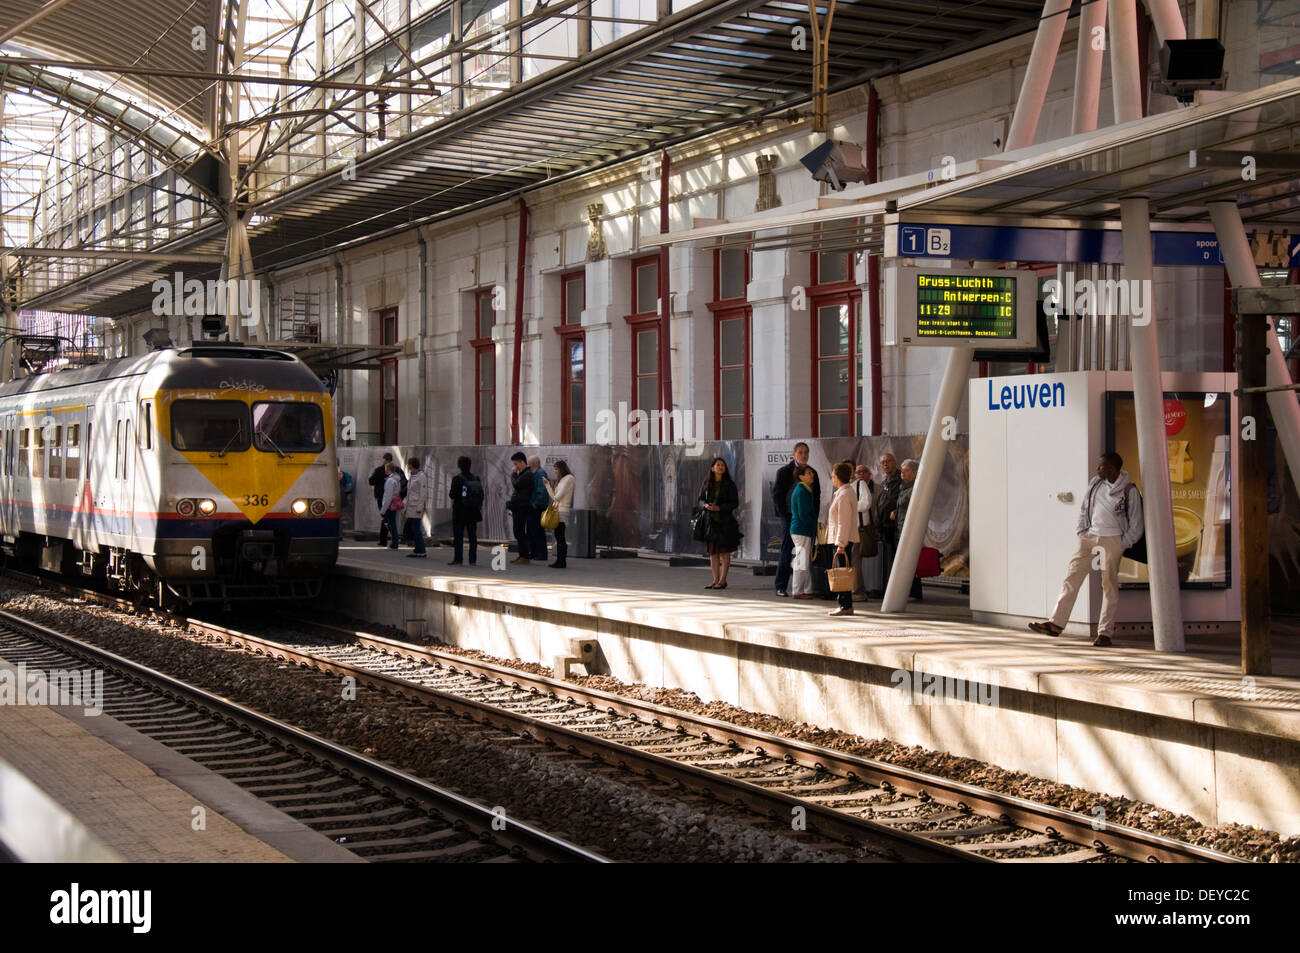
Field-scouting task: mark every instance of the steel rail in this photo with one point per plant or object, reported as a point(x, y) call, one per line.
point(890, 843)
point(1056, 822)
point(520, 838)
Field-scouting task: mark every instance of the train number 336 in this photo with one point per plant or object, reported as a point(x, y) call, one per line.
point(253, 499)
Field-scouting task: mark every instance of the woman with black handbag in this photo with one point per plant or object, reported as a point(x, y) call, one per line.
point(720, 498)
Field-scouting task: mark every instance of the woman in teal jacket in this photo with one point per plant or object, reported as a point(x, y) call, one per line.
point(803, 530)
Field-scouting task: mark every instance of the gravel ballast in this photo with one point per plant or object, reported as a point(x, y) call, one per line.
point(599, 807)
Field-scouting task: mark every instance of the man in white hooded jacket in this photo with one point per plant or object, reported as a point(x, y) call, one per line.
point(1110, 521)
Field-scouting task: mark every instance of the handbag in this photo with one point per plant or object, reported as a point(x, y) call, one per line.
point(927, 564)
point(1138, 551)
point(397, 505)
point(840, 578)
point(551, 518)
point(870, 540)
point(700, 529)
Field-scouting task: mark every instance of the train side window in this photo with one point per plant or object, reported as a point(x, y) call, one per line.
point(8, 452)
point(146, 425)
point(38, 453)
point(24, 460)
point(72, 458)
point(56, 454)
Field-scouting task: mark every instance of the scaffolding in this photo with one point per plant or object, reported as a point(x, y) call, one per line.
point(300, 317)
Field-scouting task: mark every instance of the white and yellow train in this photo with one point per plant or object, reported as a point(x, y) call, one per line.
point(195, 474)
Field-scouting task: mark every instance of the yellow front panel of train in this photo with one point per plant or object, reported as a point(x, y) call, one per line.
point(254, 480)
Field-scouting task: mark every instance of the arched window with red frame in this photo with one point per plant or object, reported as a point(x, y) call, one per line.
point(835, 305)
point(573, 357)
point(485, 369)
point(732, 350)
point(644, 321)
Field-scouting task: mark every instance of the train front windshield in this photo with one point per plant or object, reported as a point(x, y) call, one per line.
point(213, 425)
point(288, 427)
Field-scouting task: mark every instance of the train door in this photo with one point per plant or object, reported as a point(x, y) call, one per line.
point(123, 499)
point(9, 514)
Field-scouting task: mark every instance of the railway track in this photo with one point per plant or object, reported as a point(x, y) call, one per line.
point(376, 811)
point(836, 791)
point(836, 794)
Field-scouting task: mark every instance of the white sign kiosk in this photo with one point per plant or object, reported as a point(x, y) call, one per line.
point(1035, 440)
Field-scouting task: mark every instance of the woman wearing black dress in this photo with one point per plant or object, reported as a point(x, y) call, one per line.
point(720, 498)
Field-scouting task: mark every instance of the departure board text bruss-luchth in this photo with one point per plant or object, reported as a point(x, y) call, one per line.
point(965, 306)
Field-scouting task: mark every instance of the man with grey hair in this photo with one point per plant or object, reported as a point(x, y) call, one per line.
point(885, 503)
point(907, 473)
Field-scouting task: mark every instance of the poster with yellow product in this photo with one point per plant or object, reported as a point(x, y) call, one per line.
point(1197, 454)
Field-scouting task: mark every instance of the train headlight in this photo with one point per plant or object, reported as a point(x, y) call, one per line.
point(299, 507)
point(317, 507)
point(207, 507)
point(185, 507)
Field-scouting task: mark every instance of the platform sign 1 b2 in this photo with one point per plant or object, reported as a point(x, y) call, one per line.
point(988, 308)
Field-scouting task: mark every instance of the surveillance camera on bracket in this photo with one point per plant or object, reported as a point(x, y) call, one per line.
point(838, 163)
point(1188, 66)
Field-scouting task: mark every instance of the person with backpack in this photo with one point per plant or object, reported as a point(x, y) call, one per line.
point(1110, 521)
point(521, 505)
point(391, 505)
point(540, 500)
point(378, 481)
point(466, 511)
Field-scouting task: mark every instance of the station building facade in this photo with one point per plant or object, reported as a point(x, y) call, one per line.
point(767, 343)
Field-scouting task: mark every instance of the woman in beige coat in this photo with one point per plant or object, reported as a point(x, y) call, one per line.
point(842, 525)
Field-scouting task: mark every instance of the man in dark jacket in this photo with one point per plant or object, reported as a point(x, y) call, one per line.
point(377, 479)
point(907, 474)
point(466, 511)
point(540, 500)
point(521, 505)
point(781, 491)
point(886, 504)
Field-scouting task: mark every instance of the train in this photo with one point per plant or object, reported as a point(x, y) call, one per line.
point(205, 473)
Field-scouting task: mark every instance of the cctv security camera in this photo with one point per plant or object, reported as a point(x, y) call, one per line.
point(838, 163)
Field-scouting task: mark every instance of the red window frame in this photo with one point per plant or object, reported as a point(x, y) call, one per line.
point(643, 322)
point(731, 309)
point(482, 345)
point(573, 428)
point(386, 321)
point(830, 294)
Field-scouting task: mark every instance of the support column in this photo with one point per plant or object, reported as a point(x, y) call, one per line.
point(1148, 390)
point(957, 372)
point(1242, 273)
point(1168, 20)
point(1153, 454)
point(948, 403)
point(1087, 67)
point(1038, 73)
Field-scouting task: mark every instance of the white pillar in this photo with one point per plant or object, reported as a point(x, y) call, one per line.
point(1087, 66)
point(1283, 405)
point(948, 403)
point(1168, 20)
point(1153, 454)
point(1038, 73)
point(1125, 82)
point(957, 372)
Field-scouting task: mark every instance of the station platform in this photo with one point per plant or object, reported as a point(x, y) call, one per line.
point(126, 797)
point(1184, 731)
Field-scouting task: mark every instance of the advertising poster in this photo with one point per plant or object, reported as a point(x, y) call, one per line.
point(642, 497)
point(1197, 442)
